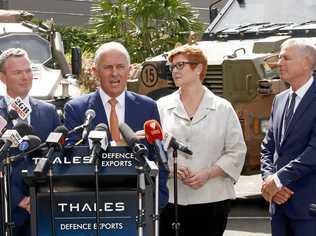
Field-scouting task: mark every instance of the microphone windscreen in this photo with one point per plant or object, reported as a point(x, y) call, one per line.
point(128, 134)
point(13, 115)
point(90, 113)
point(153, 131)
point(64, 131)
point(23, 128)
point(101, 127)
point(61, 129)
point(29, 142)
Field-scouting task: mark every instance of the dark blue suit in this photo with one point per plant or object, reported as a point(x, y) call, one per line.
point(293, 159)
point(138, 109)
point(44, 119)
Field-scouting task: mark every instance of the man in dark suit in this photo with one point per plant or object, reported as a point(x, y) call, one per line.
point(16, 74)
point(111, 67)
point(288, 156)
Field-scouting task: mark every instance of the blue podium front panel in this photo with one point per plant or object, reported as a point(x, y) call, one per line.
point(74, 196)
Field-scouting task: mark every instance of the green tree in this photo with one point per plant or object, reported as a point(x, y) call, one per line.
point(146, 28)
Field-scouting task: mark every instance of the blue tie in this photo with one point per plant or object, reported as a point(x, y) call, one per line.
point(289, 112)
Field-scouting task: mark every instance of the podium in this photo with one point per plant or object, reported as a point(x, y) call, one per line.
point(74, 195)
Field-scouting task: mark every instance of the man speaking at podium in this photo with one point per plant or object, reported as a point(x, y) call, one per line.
point(16, 74)
point(112, 103)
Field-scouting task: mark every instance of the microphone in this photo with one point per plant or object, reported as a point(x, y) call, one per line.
point(138, 149)
point(3, 124)
point(28, 144)
point(13, 115)
point(55, 141)
point(90, 115)
point(98, 140)
point(171, 142)
point(21, 108)
point(154, 136)
point(12, 137)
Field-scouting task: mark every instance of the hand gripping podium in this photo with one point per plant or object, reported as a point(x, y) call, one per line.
point(74, 206)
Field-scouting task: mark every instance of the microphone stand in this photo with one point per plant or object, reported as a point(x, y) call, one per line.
point(3, 203)
point(141, 188)
point(51, 197)
point(97, 194)
point(7, 222)
point(176, 223)
point(156, 213)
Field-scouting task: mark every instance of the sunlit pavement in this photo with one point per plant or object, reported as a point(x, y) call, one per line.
point(249, 215)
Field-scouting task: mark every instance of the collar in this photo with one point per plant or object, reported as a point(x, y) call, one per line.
point(10, 100)
point(303, 89)
point(208, 103)
point(105, 98)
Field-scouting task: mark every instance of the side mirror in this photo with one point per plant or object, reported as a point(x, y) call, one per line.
point(76, 61)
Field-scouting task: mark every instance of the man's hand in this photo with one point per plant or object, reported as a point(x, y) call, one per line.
point(282, 196)
point(269, 188)
point(25, 203)
point(140, 134)
point(198, 179)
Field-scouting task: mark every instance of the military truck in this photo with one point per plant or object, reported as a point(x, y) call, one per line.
point(242, 43)
point(53, 79)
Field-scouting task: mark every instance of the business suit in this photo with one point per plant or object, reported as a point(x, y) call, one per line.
point(138, 109)
point(44, 119)
point(293, 158)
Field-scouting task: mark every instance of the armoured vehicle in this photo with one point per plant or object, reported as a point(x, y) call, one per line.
point(53, 79)
point(242, 43)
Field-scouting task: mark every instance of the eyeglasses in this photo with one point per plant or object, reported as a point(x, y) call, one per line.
point(179, 65)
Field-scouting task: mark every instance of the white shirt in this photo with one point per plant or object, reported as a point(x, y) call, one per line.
point(26, 101)
point(215, 137)
point(119, 107)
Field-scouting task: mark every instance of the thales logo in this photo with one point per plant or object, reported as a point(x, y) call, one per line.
point(90, 207)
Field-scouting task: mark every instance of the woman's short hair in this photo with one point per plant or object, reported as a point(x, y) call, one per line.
point(193, 54)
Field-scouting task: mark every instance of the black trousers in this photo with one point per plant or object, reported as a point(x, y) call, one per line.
point(208, 219)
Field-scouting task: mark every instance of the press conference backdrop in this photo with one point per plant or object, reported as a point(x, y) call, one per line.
point(74, 196)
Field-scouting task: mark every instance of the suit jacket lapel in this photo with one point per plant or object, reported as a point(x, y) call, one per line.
point(35, 114)
point(300, 110)
point(96, 104)
point(130, 102)
point(280, 117)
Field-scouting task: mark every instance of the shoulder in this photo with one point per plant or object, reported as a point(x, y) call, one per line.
point(168, 100)
point(82, 100)
point(217, 102)
point(42, 104)
point(138, 98)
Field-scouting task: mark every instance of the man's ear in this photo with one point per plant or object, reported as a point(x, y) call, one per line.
point(94, 72)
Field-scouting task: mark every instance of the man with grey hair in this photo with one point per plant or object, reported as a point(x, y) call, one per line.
point(16, 74)
point(112, 103)
point(288, 156)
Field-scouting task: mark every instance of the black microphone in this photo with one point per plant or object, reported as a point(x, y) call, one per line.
point(98, 140)
point(171, 142)
point(90, 115)
point(13, 115)
point(138, 148)
point(28, 144)
point(12, 137)
point(55, 141)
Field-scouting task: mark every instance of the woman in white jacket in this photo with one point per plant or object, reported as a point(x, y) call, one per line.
point(209, 126)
